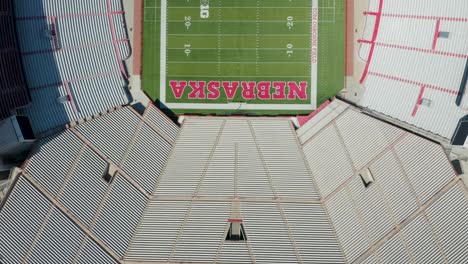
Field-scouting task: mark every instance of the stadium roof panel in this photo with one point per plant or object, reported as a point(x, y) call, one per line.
point(13, 90)
point(413, 73)
point(257, 171)
point(409, 176)
point(72, 55)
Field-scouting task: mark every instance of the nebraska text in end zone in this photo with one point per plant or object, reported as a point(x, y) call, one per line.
point(263, 90)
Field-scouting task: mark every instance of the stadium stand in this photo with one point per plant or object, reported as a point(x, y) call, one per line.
point(416, 58)
point(343, 188)
point(229, 164)
point(86, 185)
point(73, 58)
point(13, 90)
point(390, 195)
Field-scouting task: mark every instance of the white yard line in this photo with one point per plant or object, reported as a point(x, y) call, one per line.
point(219, 39)
point(240, 106)
point(313, 73)
point(257, 40)
point(163, 45)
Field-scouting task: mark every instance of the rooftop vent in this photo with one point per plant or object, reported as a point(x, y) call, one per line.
point(444, 34)
point(236, 231)
point(366, 177)
point(426, 102)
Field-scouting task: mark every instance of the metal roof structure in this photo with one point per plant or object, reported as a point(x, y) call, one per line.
point(73, 55)
point(250, 165)
point(344, 188)
point(13, 90)
point(72, 211)
point(415, 208)
point(414, 72)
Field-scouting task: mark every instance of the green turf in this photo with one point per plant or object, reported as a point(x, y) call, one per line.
point(240, 42)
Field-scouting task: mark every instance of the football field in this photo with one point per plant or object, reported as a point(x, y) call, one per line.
point(243, 56)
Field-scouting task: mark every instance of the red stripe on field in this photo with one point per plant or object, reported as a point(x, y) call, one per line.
point(456, 19)
point(418, 102)
point(436, 34)
point(374, 37)
point(137, 37)
point(433, 87)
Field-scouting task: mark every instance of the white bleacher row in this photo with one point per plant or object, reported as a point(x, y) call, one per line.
point(71, 171)
point(63, 7)
point(44, 234)
point(162, 122)
point(86, 60)
point(305, 224)
point(141, 151)
point(411, 59)
point(67, 65)
point(90, 96)
point(451, 8)
point(257, 153)
point(408, 172)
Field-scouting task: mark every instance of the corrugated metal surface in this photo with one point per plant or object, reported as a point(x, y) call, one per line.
point(234, 252)
point(281, 154)
point(84, 60)
point(20, 220)
point(372, 209)
point(411, 58)
point(147, 157)
point(58, 241)
point(425, 164)
point(158, 231)
point(111, 133)
point(267, 233)
point(193, 149)
point(394, 186)
point(126, 204)
point(356, 139)
point(158, 119)
point(320, 120)
point(13, 90)
point(421, 242)
point(51, 161)
point(347, 224)
point(449, 218)
point(51, 7)
point(236, 165)
point(203, 232)
point(85, 181)
point(90, 252)
point(312, 233)
point(8, 133)
point(393, 251)
point(328, 161)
